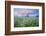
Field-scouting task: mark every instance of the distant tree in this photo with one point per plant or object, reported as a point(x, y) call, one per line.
point(28, 14)
point(37, 15)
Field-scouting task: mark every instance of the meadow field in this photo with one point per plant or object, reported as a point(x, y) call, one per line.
point(26, 21)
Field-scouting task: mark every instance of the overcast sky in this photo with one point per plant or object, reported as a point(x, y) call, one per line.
point(25, 11)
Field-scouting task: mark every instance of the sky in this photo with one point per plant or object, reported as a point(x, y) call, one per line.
point(25, 12)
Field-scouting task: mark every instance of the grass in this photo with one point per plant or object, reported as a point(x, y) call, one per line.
point(26, 21)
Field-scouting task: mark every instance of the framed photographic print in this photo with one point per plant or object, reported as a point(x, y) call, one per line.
point(24, 17)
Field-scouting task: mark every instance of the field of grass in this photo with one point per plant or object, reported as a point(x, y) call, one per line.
point(26, 21)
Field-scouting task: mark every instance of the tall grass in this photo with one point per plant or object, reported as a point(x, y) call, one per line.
point(26, 21)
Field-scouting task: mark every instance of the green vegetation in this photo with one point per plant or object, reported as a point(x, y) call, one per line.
point(26, 21)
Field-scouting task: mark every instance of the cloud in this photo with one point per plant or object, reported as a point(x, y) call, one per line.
point(23, 12)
